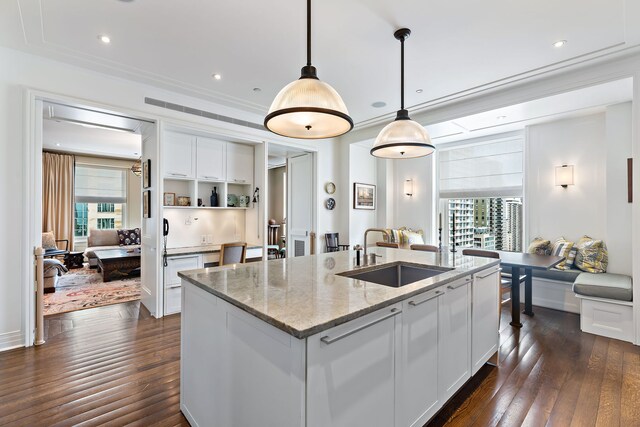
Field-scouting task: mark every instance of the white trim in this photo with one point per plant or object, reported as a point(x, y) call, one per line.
point(607, 300)
point(554, 294)
point(10, 340)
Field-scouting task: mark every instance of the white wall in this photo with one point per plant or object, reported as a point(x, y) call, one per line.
point(596, 205)
point(21, 71)
point(362, 169)
point(417, 211)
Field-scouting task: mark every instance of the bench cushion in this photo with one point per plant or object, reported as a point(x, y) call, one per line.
point(604, 285)
point(559, 275)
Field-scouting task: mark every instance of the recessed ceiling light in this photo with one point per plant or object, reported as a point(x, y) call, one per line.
point(501, 117)
point(378, 104)
point(257, 89)
point(418, 90)
point(216, 76)
point(104, 38)
point(560, 43)
point(58, 144)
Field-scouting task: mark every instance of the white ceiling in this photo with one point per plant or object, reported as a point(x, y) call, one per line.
point(73, 138)
point(455, 46)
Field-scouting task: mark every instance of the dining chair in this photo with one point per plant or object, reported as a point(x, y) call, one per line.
point(426, 248)
point(233, 253)
point(387, 245)
point(332, 241)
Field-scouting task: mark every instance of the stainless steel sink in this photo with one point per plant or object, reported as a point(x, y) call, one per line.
point(395, 274)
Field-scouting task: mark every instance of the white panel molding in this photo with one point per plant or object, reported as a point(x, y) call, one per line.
point(554, 294)
point(10, 340)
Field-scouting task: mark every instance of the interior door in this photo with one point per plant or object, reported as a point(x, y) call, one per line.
point(299, 205)
point(152, 296)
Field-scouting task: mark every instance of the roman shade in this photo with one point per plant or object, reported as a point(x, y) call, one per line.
point(98, 184)
point(487, 169)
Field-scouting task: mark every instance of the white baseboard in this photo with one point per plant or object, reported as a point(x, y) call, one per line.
point(10, 340)
point(553, 294)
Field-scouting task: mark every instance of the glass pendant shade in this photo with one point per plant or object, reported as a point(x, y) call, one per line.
point(309, 109)
point(402, 139)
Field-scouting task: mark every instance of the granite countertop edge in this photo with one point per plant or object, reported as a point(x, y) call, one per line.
point(191, 250)
point(305, 333)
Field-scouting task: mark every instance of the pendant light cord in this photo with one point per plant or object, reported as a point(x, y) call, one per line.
point(402, 73)
point(308, 32)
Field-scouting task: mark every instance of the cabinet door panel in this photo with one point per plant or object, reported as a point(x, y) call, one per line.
point(178, 154)
point(176, 264)
point(455, 337)
point(211, 159)
point(239, 163)
point(418, 399)
point(486, 288)
point(351, 380)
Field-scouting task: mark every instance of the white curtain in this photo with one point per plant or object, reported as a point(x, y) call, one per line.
point(485, 169)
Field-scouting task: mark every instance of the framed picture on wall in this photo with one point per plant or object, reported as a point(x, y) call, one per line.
point(146, 173)
point(146, 204)
point(364, 196)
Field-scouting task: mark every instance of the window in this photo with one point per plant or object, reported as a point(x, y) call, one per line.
point(100, 195)
point(106, 207)
point(106, 223)
point(500, 228)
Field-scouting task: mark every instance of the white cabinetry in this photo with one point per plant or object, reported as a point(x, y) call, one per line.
point(454, 363)
point(418, 381)
point(239, 163)
point(211, 159)
point(179, 155)
point(485, 309)
point(351, 371)
point(172, 283)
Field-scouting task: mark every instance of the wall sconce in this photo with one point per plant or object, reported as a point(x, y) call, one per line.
point(564, 175)
point(408, 187)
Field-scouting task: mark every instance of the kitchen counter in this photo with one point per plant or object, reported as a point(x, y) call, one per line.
point(191, 250)
point(304, 295)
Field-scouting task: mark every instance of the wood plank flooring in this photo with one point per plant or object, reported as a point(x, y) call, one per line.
point(116, 365)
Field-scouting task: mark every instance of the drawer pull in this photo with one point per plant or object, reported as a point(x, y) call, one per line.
point(328, 340)
point(459, 285)
point(486, 275)
point(177, 174)
point(435, 295)
point(211, 177)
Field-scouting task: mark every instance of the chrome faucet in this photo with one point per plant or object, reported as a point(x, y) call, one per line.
point(381, 230)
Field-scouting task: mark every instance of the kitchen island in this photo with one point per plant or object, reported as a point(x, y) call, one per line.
point(313, 341)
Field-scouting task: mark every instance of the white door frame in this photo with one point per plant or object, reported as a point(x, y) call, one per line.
point(313, 207)
point(32, 190)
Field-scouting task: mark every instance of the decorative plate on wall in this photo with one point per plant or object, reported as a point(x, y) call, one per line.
point(330, 203)
point(330, 188)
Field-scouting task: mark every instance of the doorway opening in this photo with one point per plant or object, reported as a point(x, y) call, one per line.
point(290, 203)
point(90, 199)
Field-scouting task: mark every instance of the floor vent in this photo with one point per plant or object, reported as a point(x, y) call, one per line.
point(201, 113)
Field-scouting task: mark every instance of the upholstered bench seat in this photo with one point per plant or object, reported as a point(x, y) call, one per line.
point(560, 275)
point(604, 285)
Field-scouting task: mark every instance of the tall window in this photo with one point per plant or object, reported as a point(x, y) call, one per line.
point(493, 223)
point(481, 186)
point(100, 194)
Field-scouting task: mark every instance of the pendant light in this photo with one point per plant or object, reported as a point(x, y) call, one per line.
point(308, 108)
point(403, 138)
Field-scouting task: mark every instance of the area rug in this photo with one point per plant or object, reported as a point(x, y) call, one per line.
point(83, 288)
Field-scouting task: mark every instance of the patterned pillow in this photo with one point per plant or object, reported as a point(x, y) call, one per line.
point(539, 246)
point(562, 247)
point(412, 238)
point(570, 261)
point(129, 237)
point(49, 241)
point(592, 255)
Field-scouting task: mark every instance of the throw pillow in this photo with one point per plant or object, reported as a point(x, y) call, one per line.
point(562, 247)
point(129, 237)
point(592, 256)
point(49, 241)
point(413, 238)
point(539, 246)
point(570, 261)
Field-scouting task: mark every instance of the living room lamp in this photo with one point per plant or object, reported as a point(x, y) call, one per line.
point(308, 108)
point(564, 175)
point(403, 138)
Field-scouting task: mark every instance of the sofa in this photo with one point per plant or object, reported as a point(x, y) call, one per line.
point(110, 239)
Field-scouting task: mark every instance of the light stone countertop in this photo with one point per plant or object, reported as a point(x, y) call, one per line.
point(303, 295)
point(204, 249)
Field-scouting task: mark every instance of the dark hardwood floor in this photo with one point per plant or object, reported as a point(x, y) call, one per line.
point(116, 365)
